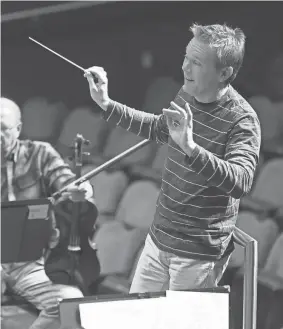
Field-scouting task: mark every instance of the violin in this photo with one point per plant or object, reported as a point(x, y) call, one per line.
point(74, 260)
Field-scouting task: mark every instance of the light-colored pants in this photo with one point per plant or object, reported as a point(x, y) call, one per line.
point(159, 271)
point(31, 282)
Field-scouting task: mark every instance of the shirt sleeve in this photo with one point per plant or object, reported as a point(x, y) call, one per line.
point(234, 174)
point(148, 125)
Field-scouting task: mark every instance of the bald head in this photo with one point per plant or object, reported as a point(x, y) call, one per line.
point(11, 125)
point(10, 112)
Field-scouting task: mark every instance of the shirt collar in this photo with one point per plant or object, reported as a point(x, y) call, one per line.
point(14, 153)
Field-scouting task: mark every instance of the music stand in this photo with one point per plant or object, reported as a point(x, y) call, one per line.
point(26, 228)
point(69, 307)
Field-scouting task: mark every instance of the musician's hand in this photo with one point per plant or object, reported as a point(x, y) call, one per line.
point(78, 193)
point(75, 193)
point(98, 89)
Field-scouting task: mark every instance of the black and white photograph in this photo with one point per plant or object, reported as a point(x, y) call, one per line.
point(141, 164)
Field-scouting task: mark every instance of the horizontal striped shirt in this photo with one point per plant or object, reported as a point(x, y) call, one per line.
point(199, 197)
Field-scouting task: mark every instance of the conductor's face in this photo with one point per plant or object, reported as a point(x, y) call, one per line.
point(10, 127)
point(202, 78)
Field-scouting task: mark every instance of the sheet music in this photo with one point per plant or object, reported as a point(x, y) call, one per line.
point(122, 314)
point(178, 310)
point(195, 310)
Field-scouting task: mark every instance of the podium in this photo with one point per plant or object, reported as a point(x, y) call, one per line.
point(70, 309)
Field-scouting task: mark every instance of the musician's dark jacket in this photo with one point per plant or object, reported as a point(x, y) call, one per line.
point(39, 171)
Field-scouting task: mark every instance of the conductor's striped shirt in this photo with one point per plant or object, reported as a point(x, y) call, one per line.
point(199, 197)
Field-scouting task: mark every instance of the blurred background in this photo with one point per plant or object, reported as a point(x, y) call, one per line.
point(141, 46)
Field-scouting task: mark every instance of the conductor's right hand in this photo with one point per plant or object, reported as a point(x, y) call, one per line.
point(98, 85)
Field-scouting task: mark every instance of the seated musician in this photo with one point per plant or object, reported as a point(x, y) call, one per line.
point(30, 170)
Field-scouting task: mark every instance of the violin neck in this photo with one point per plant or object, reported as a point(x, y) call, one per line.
point(78, 170)
point(74, 238)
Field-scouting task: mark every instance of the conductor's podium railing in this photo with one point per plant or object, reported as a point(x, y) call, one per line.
point(249, 283)
point(250, 277)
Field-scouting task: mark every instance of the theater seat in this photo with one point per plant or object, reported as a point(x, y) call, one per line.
point(91, 126)
point(41, 119)
point(118, 242)
point(271, 278)
point(121, 283)
point(269, 184)
point(117, 246)
point(265, 297)
point(120, 140)
point(154, 170)
point(160, 92)
point(138, 205)
point(268, 190)
point(266, 193)
point(270, 292)
point(265, 232)
point(274, 319)
point(108, 190)
point(274, 264)
point(271, 117)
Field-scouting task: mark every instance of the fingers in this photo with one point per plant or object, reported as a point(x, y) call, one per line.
point(172, 118)
point(179, 109)
point(185, 112)
point(189, 115)
point(172, 125)
point(98, 73)
point(90, 80)
point(176, 115)
point(172, 114)
point(74, 194)
point(75, 188)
